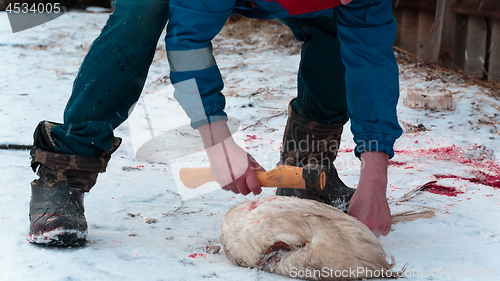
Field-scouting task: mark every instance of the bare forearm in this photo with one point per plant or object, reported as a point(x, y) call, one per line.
point(374, 167)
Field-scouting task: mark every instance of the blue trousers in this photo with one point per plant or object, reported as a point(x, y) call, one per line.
point(113, 74)
point(321, 88)
point(111, 77)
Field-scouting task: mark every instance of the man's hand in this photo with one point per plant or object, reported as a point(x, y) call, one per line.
point(231, 166)
point(369, 204)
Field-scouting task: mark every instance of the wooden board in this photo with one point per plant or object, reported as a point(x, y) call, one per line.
point(409, 30)
point(494, 51)
point(398, 15)
point(483, 8)
point(415, 4)
point(446, 25)
point(477, 34)
point(460, 43)
point(426, 47)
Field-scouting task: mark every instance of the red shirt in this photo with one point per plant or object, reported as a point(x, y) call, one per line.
point(297, 7)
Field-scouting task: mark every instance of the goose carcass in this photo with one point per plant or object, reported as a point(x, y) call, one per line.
point(301, 238)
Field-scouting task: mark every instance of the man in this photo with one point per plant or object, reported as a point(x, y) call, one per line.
point(347, 70)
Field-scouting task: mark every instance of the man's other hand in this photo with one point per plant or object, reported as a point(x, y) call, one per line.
point(369, 204)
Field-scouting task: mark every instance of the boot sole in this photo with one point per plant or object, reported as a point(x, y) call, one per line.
point(59, 238)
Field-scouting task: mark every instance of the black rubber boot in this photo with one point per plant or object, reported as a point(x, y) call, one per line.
point(56, 207)
point(309, 142)
point(57, 216)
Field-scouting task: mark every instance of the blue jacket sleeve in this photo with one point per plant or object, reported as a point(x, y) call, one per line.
point(366, 30)
point(193, 71)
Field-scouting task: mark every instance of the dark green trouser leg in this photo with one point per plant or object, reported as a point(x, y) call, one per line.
point(321, 86)
point(315, 119)
point(111, 77)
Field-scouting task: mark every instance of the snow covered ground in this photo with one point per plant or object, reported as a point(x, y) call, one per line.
point(457, 148)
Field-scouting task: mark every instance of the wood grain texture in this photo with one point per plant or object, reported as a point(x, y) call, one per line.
point(494, 51)
point(427, 42)
point(482, 8)
point(429, 5)
point(409, 30)
point(475, 55)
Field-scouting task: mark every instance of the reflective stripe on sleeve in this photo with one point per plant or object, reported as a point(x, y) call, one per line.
point(191, 60)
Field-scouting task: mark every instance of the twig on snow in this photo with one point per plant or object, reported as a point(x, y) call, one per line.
point(412, 215)
point(259, 122)
point(409, 195)
point(15, 147)
point(149, 220)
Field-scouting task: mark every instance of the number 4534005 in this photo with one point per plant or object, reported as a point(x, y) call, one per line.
point(25, 8)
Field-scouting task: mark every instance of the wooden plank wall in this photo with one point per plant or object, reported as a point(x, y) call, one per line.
point(464, 34)
point(494, 50)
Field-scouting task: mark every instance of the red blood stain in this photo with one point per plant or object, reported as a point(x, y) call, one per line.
point(254, 221)
point(481, 178)
point(197, 255)
point(347, 150)
point(251, 137)
point(432, 187)
point(395, 163)
point(275, 252)
point(453, 153)
point(259, 202)
point(486, 171)
point(440, 153)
